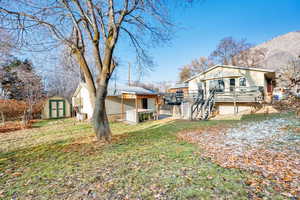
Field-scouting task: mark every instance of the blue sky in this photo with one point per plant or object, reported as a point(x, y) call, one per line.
point(205, 23)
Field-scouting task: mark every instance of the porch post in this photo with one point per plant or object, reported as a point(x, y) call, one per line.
point(136, 109)
point(234, 102)
point(157, 107)
point(122, 107)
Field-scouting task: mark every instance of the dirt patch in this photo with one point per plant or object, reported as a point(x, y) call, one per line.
point(266, 147)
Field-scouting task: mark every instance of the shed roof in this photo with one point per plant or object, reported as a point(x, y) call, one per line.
point(179, 85)
point(118, 89)
point(232, 67)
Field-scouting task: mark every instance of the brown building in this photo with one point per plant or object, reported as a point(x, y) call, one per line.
point(179, 88)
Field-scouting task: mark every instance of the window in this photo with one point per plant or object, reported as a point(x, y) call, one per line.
point(217, 84)
point(232, 84)
point(144, 103)
point(243, 81)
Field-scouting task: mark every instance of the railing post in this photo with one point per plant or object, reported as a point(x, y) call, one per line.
point(234, 102)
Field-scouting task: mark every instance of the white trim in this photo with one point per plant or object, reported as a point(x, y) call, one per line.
point(80, 85)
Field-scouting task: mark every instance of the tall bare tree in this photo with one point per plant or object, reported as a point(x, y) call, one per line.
point(196, 66)
point(227, 49)
point(95, 25)
point(64, 76)
point(289, 75)
point(6, 46)
point(251, 57)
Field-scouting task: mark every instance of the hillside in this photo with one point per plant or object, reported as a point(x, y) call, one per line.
point(280, 50)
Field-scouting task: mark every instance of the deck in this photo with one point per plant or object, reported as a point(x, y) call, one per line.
point(243, 95)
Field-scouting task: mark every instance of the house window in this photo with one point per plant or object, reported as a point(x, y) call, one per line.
point(145, 103)
point(243, 81)
point(232, 84)
point(218, 85)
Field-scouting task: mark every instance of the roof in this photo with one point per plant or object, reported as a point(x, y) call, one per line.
point(179, 85)
point(232, 67)
point(118, 89)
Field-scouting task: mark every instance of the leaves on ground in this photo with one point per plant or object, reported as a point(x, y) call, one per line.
point(266, 147)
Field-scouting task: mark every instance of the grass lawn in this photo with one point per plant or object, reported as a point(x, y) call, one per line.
point(60, 159)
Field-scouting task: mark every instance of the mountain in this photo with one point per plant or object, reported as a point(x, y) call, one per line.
point(280, 50)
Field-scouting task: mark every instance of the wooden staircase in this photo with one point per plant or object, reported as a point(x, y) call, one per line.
point(202, 108)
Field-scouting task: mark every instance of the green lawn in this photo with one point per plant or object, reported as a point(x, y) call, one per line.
point(60, 159)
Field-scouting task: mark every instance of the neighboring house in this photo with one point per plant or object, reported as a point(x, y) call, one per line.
point(122, 102)
point(229, 89)
point(176, 93)
point(56, 107)
point(179, 88)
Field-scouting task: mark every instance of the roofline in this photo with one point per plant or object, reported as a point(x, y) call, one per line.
point(179, 87)
point(228, 66)
point(137, 93)
point(80, 85)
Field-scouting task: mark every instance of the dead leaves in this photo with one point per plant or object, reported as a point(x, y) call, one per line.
point(13, 126)
point(279, 169)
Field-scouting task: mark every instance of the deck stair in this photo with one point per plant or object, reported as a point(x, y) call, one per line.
point(202, 108)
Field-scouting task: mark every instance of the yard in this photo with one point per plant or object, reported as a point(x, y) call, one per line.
point(60, 159)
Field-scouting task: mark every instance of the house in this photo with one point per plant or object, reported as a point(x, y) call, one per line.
point(56, 107)
point(227, 89)
point(130, 103)
point(179, 88)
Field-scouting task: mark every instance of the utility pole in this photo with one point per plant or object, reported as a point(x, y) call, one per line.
point(129, 73)
point(115, 79)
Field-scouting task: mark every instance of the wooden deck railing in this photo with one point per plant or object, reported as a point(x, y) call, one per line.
point(244, 94)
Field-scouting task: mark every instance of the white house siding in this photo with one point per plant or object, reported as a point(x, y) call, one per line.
point(85, 103)
point(112, 103)
point(114, 106)
point(151, 104)
point(225, 109)
point(253, 78)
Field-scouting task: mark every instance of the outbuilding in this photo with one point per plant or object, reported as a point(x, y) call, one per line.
point(123, 102)
point(56, 107)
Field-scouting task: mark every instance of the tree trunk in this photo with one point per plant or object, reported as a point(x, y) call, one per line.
point(100, 120)
point(2, 117)
point(87, 76)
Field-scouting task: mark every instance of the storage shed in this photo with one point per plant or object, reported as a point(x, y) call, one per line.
point(123, 102)
point(56, 107)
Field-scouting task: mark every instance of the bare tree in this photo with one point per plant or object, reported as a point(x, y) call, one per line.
point(252, 57)
point(21, 87)
point(227, 49)
point(97, 25)
point(6, 46)
point(195, 67)
point(65, 75)
point(289, 76)
point(33, 92)
point(185, 73)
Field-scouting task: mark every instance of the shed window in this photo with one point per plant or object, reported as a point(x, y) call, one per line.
point(218, 85)
point(243, 81)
